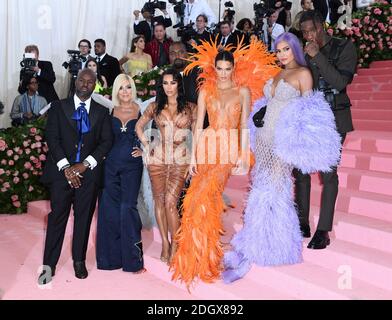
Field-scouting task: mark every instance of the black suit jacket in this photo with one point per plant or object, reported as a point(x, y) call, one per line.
point(231, 40)
point(321, 6)
point(109, 67)
point(46, 80)
point(62, 138)
point(145, 29)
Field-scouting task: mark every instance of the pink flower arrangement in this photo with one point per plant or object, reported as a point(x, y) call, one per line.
point(3, 145)
point(27, 165)
point(17, 204)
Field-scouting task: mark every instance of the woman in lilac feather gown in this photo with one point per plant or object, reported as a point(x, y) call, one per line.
point(298, 131)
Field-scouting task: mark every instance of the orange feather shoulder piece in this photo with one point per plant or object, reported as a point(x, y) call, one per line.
point(254, 65)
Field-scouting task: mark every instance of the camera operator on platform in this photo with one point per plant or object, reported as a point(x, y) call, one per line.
point(146, 27)
point(45, 75)
point(85, 50)
point(194, 8)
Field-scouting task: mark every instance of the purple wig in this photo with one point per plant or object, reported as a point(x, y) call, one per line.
point(295, 46)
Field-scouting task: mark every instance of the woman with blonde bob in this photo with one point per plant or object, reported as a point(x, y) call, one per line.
point(119, 243)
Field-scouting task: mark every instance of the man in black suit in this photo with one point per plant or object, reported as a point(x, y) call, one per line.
point(109, 66)
point(332, 62)
point(146, 27)
point(225, 37)
point(45, 76)
point(79, 136)
point(328, 9)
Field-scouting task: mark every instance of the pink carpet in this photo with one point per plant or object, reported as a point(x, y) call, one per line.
point(357, 264)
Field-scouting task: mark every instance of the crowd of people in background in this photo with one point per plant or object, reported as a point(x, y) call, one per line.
point(150, 45)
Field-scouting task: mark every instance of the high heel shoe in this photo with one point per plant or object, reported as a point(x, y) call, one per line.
point(165, 256)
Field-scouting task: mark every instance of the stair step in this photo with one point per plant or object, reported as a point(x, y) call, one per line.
point(362, 203)
point(381, 64)
point(368, 87)
point(366, 264)
point(360, 230)
point(313, 282)
point(369, 141)
point(362, 180)
point(375, 71)
point(371, 104)
point(373, 79)
point(374, 114)
point(370, 95)
point(373, 125)
point(380, 162)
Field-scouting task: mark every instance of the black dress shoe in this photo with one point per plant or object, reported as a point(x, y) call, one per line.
point(305, 230)
point(320, 240)
point(80, 269)
point(46, 275)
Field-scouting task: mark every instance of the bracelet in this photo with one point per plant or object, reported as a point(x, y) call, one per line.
point(66, 167)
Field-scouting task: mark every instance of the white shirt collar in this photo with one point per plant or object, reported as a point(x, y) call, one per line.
point(101, 57)
point(78, 101)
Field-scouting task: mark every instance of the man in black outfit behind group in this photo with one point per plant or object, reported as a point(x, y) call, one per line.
point(79, 136)
point(332, 62)
point(109, 66)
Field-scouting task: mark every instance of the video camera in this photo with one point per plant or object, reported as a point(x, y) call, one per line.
point(229, 12)
point(28, 63)
point(75, 62)
point(179, 8)
point(262, 10)
point(151, 5)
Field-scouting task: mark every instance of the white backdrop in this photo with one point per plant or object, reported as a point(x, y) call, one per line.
point(58, 25)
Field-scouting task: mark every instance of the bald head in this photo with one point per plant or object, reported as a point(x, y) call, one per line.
point(85, 84)
point(89, 72)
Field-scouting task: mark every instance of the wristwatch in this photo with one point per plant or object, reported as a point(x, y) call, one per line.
point(86, 164)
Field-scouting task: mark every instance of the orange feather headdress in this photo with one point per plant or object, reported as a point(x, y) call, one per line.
point(254, 65)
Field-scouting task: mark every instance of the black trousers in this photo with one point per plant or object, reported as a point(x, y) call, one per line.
point(330, 181)
point(62, 197)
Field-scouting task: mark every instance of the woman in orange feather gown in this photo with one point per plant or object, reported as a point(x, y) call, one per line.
point(226, 94)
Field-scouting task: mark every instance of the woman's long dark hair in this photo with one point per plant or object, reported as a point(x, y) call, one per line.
point(99, 76)
point(162, 100)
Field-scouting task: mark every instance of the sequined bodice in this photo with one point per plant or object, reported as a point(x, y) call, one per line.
point(284, 92)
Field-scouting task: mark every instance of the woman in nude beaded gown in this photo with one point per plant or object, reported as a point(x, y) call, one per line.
point(167, 157)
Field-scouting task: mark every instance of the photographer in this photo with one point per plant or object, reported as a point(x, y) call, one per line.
point(27, 106)
point(194, 8)
point(45, 75)
point(284, 10)
point(146, 27)
point(272, 29)
point(85, 50)
point(332, 62)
